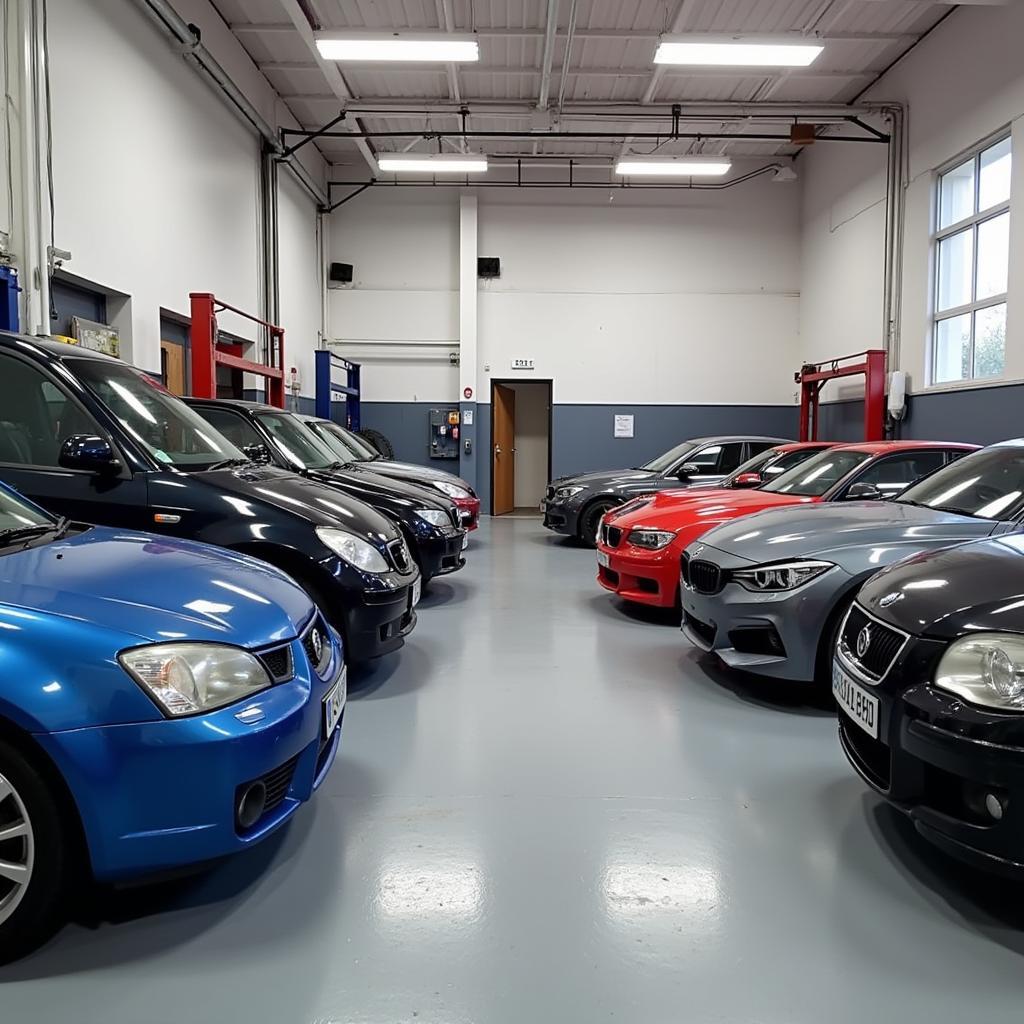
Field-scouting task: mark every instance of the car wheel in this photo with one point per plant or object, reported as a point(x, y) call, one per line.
point(590, 520)
point(36, 848)
point(379, 441)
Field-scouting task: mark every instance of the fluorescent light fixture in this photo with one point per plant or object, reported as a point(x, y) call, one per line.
point(432, 163)
point(674, 166)
point(397, 46)
point(736, 51)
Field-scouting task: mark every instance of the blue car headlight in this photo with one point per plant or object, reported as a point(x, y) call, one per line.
point(189, 678)
point(780, 576)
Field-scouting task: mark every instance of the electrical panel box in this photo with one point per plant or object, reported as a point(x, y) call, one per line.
point(444, 433)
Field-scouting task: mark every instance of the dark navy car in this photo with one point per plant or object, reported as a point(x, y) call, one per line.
point(91, 438)
point(162, 703)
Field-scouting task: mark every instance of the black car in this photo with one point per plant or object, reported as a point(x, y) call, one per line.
point(574, 505)
point(351, 447)
point(929, 677)
point(96, 440)
point(430, 522)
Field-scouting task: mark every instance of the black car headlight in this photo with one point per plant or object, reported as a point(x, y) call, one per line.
point(565, 493)
point(187, 678)
point(651, 539)
point(781, 576)
point(986, 669)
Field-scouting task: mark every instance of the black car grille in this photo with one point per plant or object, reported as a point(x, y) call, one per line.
point(871, 756)
point(278, 663)
point(400, 555)
point(883, 643)
point(549, 493)
point(455, 516)
point(612, 535)
point(321, 661)
point(278, 782)
point(702, 629)
point(705, 577)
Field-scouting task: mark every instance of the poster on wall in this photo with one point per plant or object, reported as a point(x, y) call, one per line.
point(623, 425)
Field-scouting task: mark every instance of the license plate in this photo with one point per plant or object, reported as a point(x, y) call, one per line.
point(334, 702)
point(417, 590)
point(603, 559)
point(465, 542)
point(855, 701)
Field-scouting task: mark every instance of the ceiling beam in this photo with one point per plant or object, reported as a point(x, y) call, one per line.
point(550, 31)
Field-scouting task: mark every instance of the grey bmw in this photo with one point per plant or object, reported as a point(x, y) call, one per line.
point(768, 593)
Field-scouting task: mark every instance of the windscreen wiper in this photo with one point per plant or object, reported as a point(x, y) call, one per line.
point(18, 533)
point(228, 463)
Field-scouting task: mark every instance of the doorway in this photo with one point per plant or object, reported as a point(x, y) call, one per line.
point(520, 445)
point(172, 367)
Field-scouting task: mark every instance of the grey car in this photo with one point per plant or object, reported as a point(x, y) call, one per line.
point(574, 505)
point(767, 593)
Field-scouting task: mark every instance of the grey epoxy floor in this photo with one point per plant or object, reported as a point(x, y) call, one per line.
point(549, 810)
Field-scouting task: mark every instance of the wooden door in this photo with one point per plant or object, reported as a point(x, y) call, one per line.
point(503, 410)
point(172, 358)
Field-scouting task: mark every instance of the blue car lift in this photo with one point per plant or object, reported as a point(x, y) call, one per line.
point(326, 388)
point(9, 299)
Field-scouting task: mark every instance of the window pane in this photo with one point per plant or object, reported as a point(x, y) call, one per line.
point(990, 341)
point(993, 256)
point(955, 270)
point(952, 349)
point(956, 194)
point(994, 181)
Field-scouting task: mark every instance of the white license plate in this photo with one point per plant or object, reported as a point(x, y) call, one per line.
point(855, 701)
point(603, 559)
point(465, 542)
point(334, 702)
point(417, 590)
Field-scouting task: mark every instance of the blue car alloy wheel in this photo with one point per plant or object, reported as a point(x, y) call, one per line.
point(163, 704)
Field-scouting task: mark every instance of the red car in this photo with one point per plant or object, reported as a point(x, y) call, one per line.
point(639, 545)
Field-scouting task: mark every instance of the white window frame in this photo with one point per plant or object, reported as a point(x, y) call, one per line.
point(974, 221)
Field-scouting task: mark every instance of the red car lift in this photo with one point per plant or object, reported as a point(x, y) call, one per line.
point(209, 352)
point(812, 376)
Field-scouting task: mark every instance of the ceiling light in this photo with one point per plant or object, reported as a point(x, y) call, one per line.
point(397, 46)
point(674, 166)
point(736, 51)
point(433, 163)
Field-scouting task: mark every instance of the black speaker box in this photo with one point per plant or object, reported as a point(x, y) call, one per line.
point(340, 273)
point(488, 266)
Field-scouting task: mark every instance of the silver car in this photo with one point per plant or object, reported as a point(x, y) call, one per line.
point(767, 593)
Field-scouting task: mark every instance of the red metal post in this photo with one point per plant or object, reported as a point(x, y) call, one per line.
point(874, 395)
point(203, 340)
point(812, 377)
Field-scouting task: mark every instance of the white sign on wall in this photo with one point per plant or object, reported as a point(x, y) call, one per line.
point(522, 364)
point(623, 426)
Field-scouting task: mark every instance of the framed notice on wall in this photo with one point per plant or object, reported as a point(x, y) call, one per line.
point(98, 337)
point(623, 425)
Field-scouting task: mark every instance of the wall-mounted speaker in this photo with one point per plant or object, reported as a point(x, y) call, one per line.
point(488, 266)
point(340, 273)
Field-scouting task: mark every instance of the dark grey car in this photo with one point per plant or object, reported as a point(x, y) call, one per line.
point(574, 505)
point(768, 592)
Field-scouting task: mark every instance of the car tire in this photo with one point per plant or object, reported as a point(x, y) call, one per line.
point(42, 841)
point(829, 639)
point(590, 520)
point(379, 441)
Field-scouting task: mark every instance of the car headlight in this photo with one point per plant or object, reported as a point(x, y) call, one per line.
point(986, 669)
point(434, 516)
point(188, 678)
point(452, 490)
point(356, 551)
point(565, 493)
point(781, 576)
point(653, 540)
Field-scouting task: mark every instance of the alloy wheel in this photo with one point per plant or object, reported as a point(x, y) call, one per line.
point(17, 849)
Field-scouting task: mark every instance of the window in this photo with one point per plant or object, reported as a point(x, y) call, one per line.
point(817, 475)
point(972, 247)
point(296, 442)
point(233, 425)
point(897, 472)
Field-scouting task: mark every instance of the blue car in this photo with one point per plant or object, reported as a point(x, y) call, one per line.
point(162, 703)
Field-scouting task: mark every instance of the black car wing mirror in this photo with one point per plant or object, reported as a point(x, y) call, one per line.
point(259, 453)
point(864, 492)
point(88, 452)
point(688, 469)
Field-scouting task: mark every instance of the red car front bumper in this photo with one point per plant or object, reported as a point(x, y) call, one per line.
point(470, 510)
point(646, 577)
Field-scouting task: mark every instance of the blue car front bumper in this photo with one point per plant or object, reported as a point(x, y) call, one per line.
point(158, 795)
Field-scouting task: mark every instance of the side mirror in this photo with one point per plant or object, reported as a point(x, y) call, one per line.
point(748, 480)
point(89, 452)
point(257, 453)
point(864, 492)
point(688, 469)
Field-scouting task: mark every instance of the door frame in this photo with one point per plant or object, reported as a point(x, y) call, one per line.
point(549, 381)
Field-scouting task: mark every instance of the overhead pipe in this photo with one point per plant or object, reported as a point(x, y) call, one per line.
point(550, 31)
point(567, 56)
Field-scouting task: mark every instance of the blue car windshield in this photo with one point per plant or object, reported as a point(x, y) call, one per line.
point(15, 514)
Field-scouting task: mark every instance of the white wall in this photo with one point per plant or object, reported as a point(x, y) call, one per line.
point(657, 297)
point(531, 429)
point(962, 83)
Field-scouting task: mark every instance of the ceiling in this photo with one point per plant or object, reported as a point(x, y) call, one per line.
point(598, 77)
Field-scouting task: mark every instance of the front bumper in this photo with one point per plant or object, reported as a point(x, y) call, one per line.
point(775, 635)
point(469, 509)
point(440, 554)
point(159, 795)
point(936, 759)
point(561, 516)
point(644, 577)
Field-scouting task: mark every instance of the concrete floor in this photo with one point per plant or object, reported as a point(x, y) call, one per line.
point(547, 809)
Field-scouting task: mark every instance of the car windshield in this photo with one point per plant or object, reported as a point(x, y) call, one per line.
point(758, 464)
point(336, 442)
point(164, 425)
point(988, 485)
point(354, 441)
point(670, 458)
point(296, 442)
point(16, 514)
point(813, 477)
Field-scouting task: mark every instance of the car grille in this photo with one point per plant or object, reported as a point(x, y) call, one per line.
point(706, 632)
point(883, 643)
point(612, 535)
point(549, 493)
point(278, 782)
point(704, 577)
point(455, 516)
point(278, 663)
point(319, 663)
point(400, 555)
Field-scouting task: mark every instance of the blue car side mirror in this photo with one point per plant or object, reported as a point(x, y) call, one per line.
point(88, 452)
